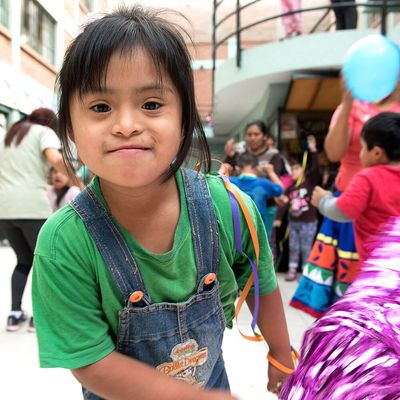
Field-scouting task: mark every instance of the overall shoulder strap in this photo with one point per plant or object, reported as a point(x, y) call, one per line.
point(203, 222)
point(110, 243)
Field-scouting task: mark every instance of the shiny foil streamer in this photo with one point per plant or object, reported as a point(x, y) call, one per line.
point(353, 351)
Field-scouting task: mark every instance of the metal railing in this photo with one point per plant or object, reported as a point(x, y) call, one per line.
point(383, 7)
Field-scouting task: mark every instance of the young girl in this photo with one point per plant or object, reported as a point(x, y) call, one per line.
point(303, 216)
point(141, 269)
point(60, 192)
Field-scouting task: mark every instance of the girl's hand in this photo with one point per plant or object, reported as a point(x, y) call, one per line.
point(317, 195)
point(276, 379)
point(225, 169)
point(277, 223)
point(230, 148)
point(312, 143)
point(282, 200)
point(268, 168)
point(347, 99)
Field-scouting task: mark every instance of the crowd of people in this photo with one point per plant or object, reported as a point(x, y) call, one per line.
point(144, 264)
point(360, 212)
point(288, 187)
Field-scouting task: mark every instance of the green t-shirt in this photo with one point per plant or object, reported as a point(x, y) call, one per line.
point(76, 302)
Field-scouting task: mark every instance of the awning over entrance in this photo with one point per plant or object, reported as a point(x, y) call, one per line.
point(313, 92)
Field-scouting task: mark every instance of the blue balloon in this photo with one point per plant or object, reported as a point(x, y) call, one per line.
point(371, 68)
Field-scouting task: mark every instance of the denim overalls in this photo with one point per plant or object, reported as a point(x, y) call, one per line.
point(182, 340)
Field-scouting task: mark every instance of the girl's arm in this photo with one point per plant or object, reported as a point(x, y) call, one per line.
point(278, 163)
point(338, 138)
point(328, 208)
point(271, 174)
point(119, 377)
point(230, 153)
point(283, 203)
point(314, 169)
point(272, 324)
point(55, 159)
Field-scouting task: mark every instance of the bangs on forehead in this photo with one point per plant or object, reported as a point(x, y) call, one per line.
point(126, 40)
point(95, 80)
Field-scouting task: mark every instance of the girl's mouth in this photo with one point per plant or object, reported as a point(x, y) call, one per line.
point(130, 150)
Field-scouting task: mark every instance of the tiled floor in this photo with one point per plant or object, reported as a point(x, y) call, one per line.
point(21, 377)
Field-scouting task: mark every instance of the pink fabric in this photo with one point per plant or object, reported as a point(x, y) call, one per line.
point(292, 23)
point(72, 192)
point(372, 197)
point(359, 115)
point(287, 181)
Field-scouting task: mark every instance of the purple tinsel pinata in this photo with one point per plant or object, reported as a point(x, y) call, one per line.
point(353, 351)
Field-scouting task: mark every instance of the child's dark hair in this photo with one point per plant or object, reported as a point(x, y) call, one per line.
point(271, 137)
point(124, 31)
point(294, 160)
point(247, 159)
point(383, 131)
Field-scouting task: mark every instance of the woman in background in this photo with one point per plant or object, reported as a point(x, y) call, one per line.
point(27, 150)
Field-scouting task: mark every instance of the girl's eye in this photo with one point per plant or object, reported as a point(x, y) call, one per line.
point(151, 105)
point(100, 108)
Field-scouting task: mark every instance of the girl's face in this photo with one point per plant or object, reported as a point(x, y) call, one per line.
point(297, 171)
point(270, 143)
point(255, 138)
point(129, 131)
point(58, 180)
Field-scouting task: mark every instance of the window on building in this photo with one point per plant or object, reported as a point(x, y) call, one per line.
point(88, 4)
point(39, 29)
point(4, 13)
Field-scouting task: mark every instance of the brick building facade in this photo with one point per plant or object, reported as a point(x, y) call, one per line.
point(33, 37)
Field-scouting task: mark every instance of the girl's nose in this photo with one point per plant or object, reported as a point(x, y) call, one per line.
point(127, 124)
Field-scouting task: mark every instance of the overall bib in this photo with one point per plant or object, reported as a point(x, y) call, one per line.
point(182, 340)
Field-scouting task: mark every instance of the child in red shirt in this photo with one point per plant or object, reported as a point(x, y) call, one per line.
point(372, 196)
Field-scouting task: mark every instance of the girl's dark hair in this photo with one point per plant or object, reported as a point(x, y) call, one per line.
point(126, 30)
point(383, 131)
point(40, 116)
point(272, 137)
point(260, 124)
point(294, 160)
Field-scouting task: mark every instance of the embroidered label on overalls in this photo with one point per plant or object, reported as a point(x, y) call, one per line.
point(185, 359)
